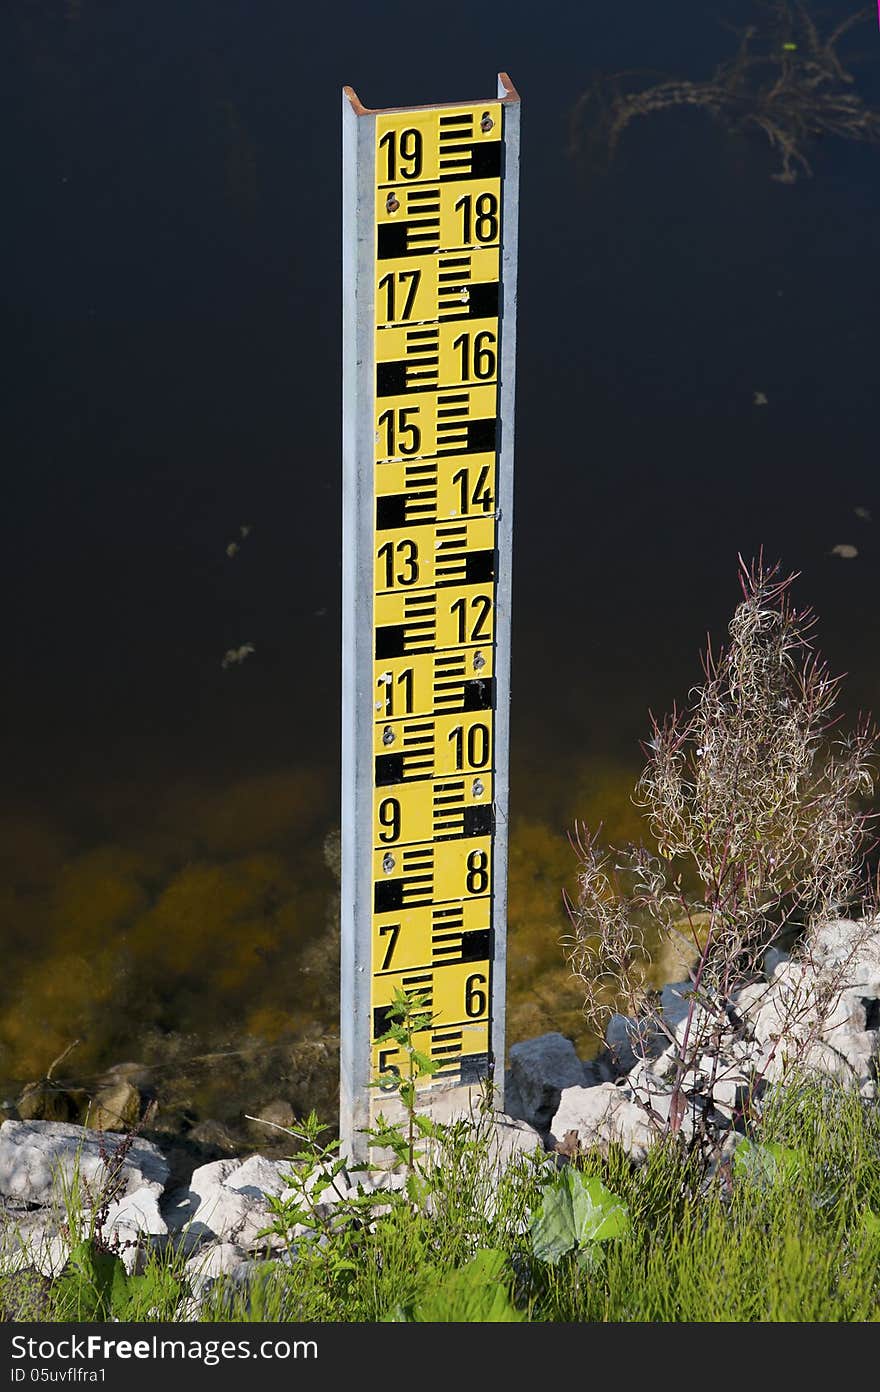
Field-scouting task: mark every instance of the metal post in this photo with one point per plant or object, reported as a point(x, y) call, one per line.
point(430, 199)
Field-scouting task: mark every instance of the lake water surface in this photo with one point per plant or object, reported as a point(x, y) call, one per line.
point(697, 377)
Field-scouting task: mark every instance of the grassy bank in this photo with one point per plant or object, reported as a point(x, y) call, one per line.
point(785, 1228)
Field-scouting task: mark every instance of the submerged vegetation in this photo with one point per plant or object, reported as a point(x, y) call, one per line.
point(786, 82)
point(203, 943)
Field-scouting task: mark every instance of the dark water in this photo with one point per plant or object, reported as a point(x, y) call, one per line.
point(172, 305)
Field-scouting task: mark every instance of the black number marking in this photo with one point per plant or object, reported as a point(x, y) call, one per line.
point(396, 425)
point(485, 225)
point(476, 358)
point(406, 681)
point(480, 496)
point(387, 284)
point(474, 995)
point(389, 817)
point(407, 151)
point(394, 930)
point(388, 1084)
point(478, 746)
point(408, 551)
point(481, 602)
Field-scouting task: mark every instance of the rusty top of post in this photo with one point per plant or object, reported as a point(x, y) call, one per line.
point(506, 93)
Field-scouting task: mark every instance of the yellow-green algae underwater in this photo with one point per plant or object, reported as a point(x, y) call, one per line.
point(203, 942)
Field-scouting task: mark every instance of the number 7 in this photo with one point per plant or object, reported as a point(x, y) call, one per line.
point(394, 930)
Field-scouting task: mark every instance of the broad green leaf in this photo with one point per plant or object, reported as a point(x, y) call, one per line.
point(590, 1259)
point(576, 1210)
point(92, 1285)
point(766, 1164)
point(120, 1290)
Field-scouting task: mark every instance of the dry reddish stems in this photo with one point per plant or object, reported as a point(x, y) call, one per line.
point(757, 811)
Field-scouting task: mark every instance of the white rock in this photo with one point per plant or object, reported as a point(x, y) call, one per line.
point(136, 1216)
point(377, 1180)
point(206, 1177)
point(512, 1139)
point(601, 1115)
point(858, 940)
point(226, 1202)
point(258, 1176)
point(749, 998)
point(42, 1160)
point(219, 1214)
point(651, 1091)
point(237, 1295)
point(202, 1271)
point(506, 1140)
point(50, 1258)
point(39, 1158)
point(791, 1020)
point(26, 1237)
point(218, 1259)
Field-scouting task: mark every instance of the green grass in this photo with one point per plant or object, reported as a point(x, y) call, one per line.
point(789, 1232)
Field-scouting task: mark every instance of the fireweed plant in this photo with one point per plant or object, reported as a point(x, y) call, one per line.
point(757, 810)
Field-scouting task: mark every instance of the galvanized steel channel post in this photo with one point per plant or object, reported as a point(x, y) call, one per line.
point(430, 206)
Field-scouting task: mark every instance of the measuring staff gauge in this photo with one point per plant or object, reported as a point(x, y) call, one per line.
point(430, 196)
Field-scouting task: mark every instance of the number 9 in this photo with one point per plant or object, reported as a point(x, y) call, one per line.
point(389, 817)
point(411, 153)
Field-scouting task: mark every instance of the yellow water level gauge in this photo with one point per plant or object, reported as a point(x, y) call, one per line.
point(430, 197)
